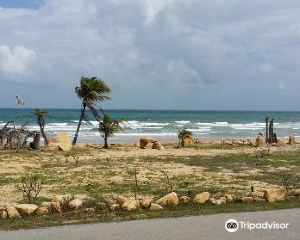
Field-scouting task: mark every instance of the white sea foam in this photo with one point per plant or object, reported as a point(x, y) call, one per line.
point(146, 134)
point(213, 124)
point(183, 122)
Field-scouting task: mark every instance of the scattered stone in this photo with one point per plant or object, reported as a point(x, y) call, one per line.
point(145, 203)
point(202, 197)
point(255, 195)
point(185, 199)
point(12, 212)
point(131, 205)
point(158, 146)
point(212, 200)
point(56, 207)
point(42, 211)
point(155, 207)
point(170, 199)
point(26, 209)
point(121, 199)
point(275, 194)
point(114, 207)
point(247, 199)
point(75, 204)
point(60, 198)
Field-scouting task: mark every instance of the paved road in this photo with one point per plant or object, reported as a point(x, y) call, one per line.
point(186, 228)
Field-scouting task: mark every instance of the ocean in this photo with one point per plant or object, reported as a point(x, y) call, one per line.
point(161, 125)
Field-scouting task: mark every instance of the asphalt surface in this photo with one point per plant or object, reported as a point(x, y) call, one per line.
point(187, 228)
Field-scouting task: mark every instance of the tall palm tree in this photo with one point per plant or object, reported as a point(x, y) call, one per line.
point(108, 127)
point(40, 115)
point(90, 90)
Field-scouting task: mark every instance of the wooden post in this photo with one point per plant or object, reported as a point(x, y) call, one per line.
point(271, 131)
point(267, 129)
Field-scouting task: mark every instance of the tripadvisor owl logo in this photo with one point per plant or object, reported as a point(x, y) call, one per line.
point(231, 225)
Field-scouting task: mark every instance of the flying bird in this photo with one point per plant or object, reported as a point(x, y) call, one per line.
point(19, 101)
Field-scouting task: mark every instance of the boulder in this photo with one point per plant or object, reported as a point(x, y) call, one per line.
point(202, 197)
point(259, 200)
point(65, 143)
point(260, 141)
point(3, 214)
point(42, 211)
point(247, 199)
point(212, 200)
point(218, 195)
point(297, 192)
point(121, 199)
point(26, 209)
point(184, 199)
point(12, 212)
point(292, 140)
point(228, 197)
point(158, 146)
point(220, 201)
point(89, 210)
point(75, 204)
point(145, 203)
point(155, 207)
point(255, 195)
point(60, 198)
point(275, 194)
point(143, 142)
point(130, 205)
point(56, 207)
point(170, 199)
point(188, 140)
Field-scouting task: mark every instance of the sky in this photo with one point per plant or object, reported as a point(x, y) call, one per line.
point(154, 54)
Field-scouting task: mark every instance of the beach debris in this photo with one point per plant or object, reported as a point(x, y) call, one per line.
point(65, 143)
point(170, 199)
point(201, 198)
point(275, 194)
point(16, 138)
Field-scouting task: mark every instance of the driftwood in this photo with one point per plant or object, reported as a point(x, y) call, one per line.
point(16, 138)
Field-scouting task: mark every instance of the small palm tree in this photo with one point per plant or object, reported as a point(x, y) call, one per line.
point(40, 115)
point(108, 127)
point(90, 90)
point(183, 135)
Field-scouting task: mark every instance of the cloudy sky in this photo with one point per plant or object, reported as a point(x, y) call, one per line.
point(154, 54)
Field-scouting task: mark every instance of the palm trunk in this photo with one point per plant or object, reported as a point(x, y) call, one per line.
point(105, 142)
point(95, 114)
point(44, 135)
point(79, 124)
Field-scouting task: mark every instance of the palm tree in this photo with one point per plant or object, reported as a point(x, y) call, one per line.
point(90, 90)
point(108, 127)
point(40, 114)
point(184, 134)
